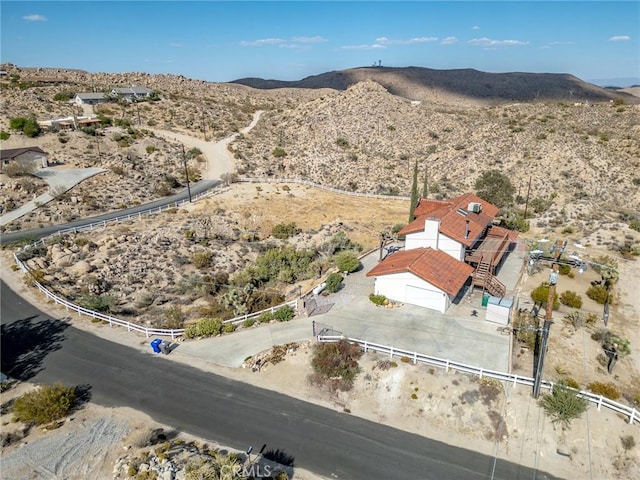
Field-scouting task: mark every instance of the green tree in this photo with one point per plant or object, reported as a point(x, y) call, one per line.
point(425, 183)
point(414, 192)
point(496, 188)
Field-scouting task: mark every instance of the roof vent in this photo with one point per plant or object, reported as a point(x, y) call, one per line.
point(474, 207)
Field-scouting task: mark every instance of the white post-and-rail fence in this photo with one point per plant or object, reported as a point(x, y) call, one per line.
point(173, 333)
point(512, 378)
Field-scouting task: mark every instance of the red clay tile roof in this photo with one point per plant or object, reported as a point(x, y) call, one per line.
point(433, 266)
point(452, 223)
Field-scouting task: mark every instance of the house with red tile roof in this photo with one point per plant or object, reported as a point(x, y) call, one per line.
point(422, 276)
point(450, 244)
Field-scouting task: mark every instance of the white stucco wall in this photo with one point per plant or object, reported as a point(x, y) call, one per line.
point(403, 287)
point(431, 237)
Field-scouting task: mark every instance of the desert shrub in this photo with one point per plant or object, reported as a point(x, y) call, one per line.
point(540, 295)
point(608, 390)
point(205, 327)
point(4, 135)
point(265, 317)
point(378, 299)
point(249, 322)
point(279, 152)
point(278, 264)
point(284, 313)
point(174, 317)
point(525, 325)
point(44, 405)
point(386, 364)
point(104, 303)
point(334, 280)
point(635, 225)
point(610, 341)
point(342, 142)
point(337, 360)
point(405, 359)
point(228, 328)
point(338, 243)
point(571, 299)
point(346, 261)
point(202, 259)
point(63, 96)
point(563, 405)
point(628, 442)
point(283, 231)
point(564, 269)
point(20, 169)
point(513, 219)
point(571, 383)
point(576, 319)
point(599, 294)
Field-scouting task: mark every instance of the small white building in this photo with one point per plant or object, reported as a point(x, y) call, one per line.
point(90, 98)
point(131, 93)
point(26, 155)
point(424, 277)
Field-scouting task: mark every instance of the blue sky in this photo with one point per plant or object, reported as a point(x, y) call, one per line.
point(224, 41)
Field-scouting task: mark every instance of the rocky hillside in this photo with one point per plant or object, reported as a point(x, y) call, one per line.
point(582, 157)
point(460, 86)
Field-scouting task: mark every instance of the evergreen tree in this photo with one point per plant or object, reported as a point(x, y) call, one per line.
point(414, 192)
point(425, 185)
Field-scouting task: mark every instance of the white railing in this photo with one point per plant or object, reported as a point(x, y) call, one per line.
point(514, 379)
point(322, 187)
point(173, 333)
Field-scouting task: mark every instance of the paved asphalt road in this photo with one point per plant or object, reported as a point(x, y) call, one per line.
point(196, 188)
point(38, 348)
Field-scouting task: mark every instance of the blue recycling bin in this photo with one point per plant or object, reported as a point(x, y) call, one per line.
point(155, 344)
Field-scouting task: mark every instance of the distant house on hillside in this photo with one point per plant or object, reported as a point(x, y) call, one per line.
point(26, 155)
point(131, 93)
point(90, 98)
point(449, 245)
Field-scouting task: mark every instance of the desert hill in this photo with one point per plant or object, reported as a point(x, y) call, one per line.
point(417, 83)
point(582, 157)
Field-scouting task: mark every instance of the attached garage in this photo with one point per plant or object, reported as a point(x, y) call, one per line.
point(423, 276)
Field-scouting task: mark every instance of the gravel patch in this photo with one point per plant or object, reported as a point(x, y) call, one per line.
point(74, 452)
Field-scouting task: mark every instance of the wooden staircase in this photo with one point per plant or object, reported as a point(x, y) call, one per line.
point(482, 277)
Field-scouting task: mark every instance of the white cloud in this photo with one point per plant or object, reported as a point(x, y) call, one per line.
point(410, 41)
point(35, 17)
point(449, 41)
point(316, 39)
point(620, 38)
point(562, 43)
point(261, 42)
point(294, 46)
point(475, 27)
point(375, 46)
point(489, 43)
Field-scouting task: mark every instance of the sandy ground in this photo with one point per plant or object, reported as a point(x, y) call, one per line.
point(451, 407)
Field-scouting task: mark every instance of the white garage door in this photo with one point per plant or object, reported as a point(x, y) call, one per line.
point(424, 298)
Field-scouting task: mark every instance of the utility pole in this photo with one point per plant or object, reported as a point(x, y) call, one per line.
point(553, 280)
point(526, 205)
point(186, 171)
point(204, 127)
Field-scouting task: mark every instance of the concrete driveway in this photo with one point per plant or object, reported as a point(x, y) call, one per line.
point(465, 339)
point(59, 180)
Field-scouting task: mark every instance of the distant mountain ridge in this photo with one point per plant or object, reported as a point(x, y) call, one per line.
point(418, 83)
